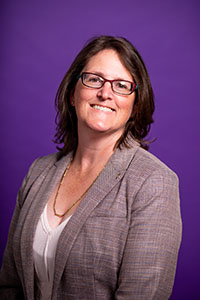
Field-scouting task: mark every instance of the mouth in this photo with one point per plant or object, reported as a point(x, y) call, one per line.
point(102, 108)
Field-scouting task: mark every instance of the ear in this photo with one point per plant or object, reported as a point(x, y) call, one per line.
point(71, 99)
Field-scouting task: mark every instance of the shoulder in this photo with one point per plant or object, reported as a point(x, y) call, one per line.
point(38, 167)
point(147, 163)
point(151, 163)
point(43, 161)
point(153, 184)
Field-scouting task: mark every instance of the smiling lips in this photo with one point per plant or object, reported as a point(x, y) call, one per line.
point(102, 108)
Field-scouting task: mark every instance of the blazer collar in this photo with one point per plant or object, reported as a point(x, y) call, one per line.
point(119, 160)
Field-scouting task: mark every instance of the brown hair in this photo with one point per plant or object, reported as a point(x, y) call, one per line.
point(138, 125)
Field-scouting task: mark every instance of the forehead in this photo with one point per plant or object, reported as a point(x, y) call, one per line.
point(109, 64)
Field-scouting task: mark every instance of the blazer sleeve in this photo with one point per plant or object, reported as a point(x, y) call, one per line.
point(150, 256)
point(10, 284)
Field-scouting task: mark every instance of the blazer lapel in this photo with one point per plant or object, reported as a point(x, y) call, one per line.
point(30, 214)
point(109, 177)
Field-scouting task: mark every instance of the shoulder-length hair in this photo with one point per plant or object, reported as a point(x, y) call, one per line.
point(138, 125)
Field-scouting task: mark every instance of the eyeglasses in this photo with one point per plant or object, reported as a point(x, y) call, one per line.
point(119, 86)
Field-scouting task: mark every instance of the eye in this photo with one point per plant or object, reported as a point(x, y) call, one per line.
point(93, 78)
point(122, 85)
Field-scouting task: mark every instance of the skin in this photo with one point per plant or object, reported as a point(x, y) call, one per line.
point(98, 131)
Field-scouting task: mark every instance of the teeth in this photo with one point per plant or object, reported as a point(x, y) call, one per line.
point(102, 108)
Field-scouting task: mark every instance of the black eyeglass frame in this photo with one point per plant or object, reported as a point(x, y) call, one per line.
point(134, 86)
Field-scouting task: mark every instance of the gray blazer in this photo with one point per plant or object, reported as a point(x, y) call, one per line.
point(122, 242)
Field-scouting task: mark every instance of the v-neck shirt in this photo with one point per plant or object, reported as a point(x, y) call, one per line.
point(44, 252)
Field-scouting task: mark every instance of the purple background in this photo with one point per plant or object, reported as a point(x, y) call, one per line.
point(39, 40)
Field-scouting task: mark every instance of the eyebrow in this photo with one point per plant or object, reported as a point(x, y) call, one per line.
point(102, 75)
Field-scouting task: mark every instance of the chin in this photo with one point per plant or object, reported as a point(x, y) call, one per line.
point(99, 126)
point(100, 129)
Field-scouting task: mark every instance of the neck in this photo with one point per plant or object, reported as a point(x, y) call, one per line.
point(94, 151)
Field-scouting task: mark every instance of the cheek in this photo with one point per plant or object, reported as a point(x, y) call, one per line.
point(127, 106)
point(77, 92)
point(132, 103)
point(82, 98)
point(80, 95)
point(129, 110)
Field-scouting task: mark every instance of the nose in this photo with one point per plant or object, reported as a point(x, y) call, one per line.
point(105, 92)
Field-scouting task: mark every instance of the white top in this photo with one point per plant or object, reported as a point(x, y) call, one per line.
point(44, 252)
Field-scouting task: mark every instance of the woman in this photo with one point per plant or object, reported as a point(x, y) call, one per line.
point(100, 219)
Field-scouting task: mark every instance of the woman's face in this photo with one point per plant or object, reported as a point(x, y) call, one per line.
point(101, 110)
